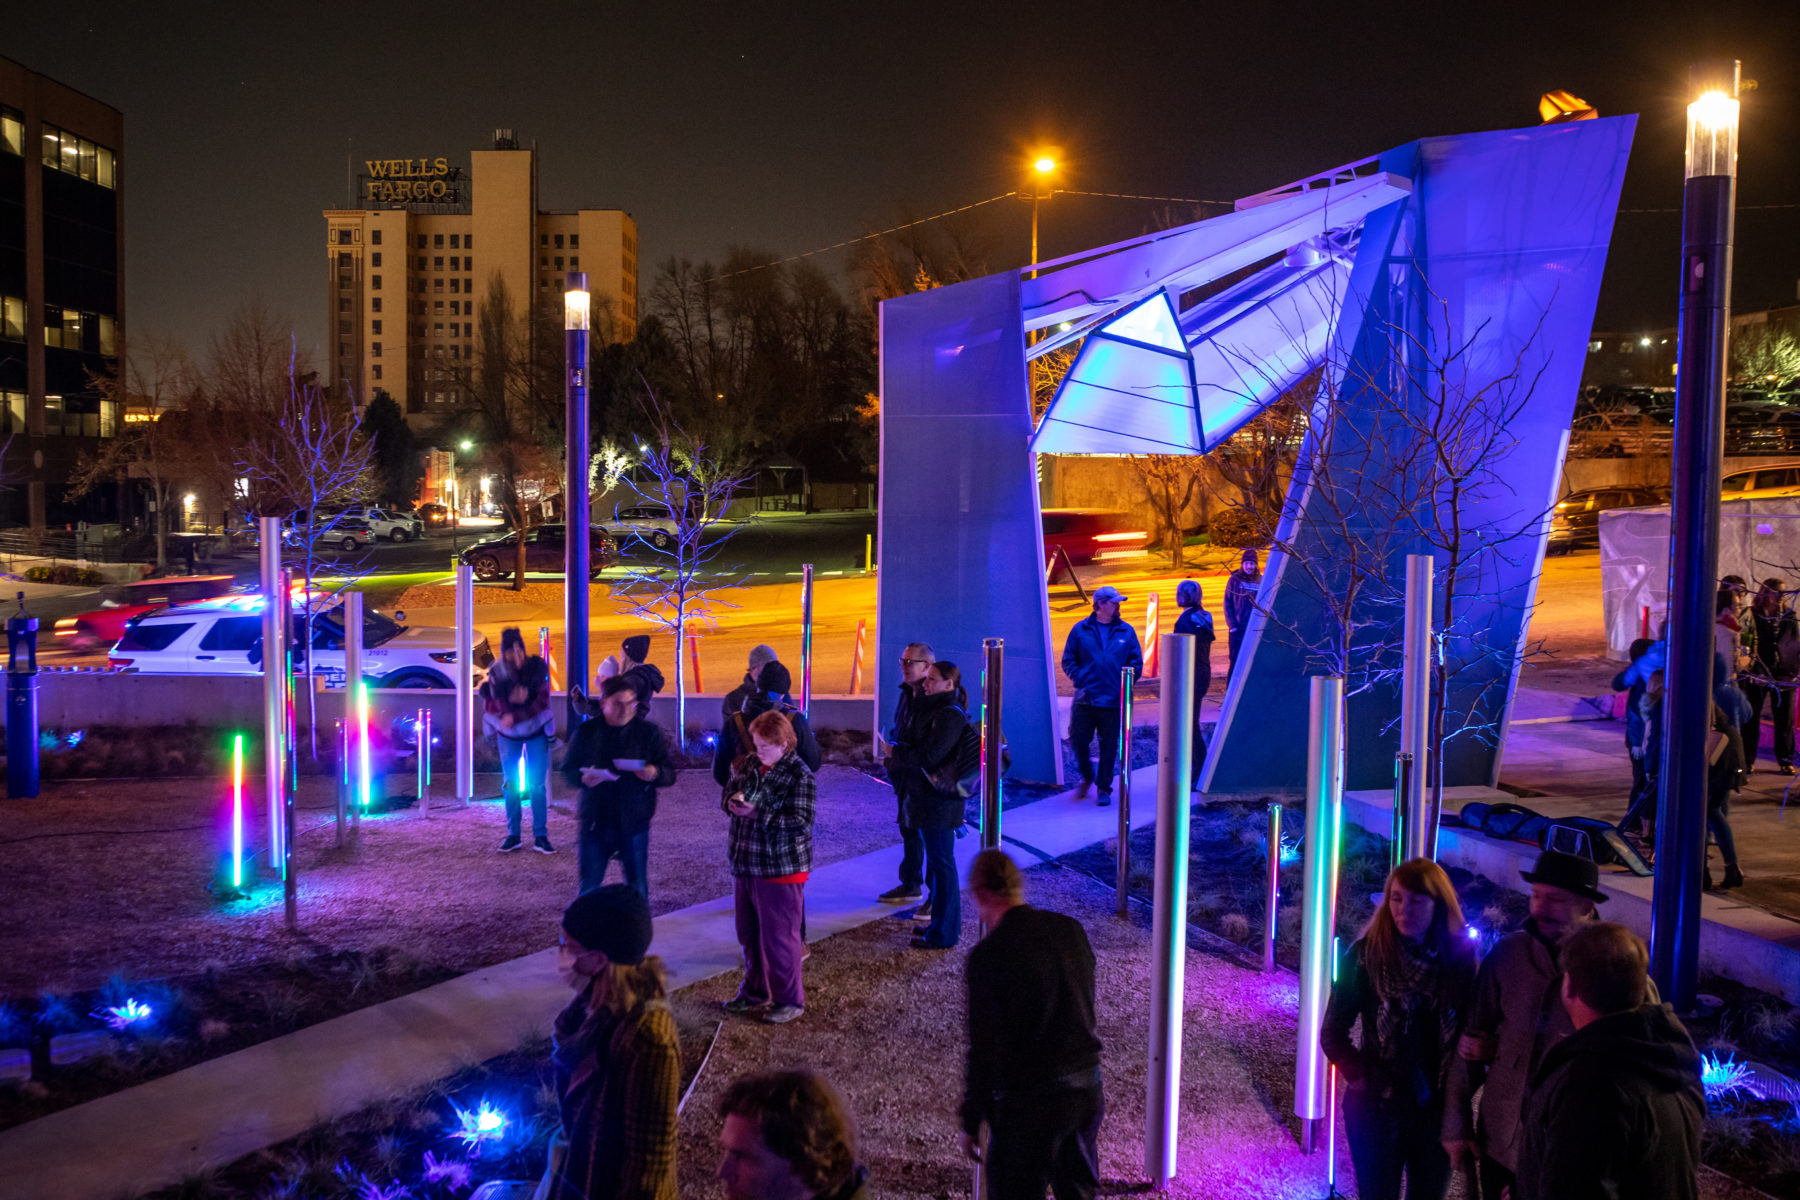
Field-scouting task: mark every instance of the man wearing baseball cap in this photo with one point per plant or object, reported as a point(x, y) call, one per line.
point(1099, 649)
point(1517, 1015)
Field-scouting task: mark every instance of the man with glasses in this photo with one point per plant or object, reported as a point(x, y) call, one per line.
point(915, 661)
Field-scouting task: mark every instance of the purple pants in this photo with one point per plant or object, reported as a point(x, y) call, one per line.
point(768, 928)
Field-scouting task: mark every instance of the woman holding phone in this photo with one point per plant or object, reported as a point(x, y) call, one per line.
point(770, 799)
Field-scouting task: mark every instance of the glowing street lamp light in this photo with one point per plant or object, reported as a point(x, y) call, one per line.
point(1709, 196)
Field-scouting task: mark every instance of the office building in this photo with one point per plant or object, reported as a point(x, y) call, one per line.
point(62, 290)
point(409, 271)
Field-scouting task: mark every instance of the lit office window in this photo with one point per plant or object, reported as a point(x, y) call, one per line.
point(12, 318)
point(12, 131)
point(109, 334)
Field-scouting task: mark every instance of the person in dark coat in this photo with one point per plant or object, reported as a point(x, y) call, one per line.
point(1240, 604)
point(1633, 683)
point(1197, 623)
point(788, 1135)
point(771, 695)
point(1726, 773)
point(1615, 1108)
point(1407, 981)
point(618, 761)
point(760, 657)
point(1774, 638)
point(515, 700)
point(617, 1055)
point(1033, 1073)
point(931, 802)
point(915, 660)
point(1516, 1016)
point(1098, 650)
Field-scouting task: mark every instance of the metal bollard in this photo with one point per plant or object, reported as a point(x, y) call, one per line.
point(343, 787)
point(1401, 836)
point(993, 652)
point(1324, 814)
point(22, 747)
point(422, 746)
point(1168, 936)
point(1122, 890)
point(1274, 898)
point(806, 639)
point(465, 683)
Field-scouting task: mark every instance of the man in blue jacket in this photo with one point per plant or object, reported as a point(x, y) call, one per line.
point(1099, 648)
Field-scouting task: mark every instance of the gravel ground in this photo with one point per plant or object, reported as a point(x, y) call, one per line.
point(135, 902)
point(874, 1003)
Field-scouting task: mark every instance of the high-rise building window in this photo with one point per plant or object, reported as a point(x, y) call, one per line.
point(543, 261)
point(468, 264)
point(343, 237)
point(375, 304)
point(375, 259)
point(12, 131)
point(374, 237)
point(344, 261)
point(343, 327)
point(559, 241)
point(456, 306)
point(437, 263)
point(574, 241)
point(468, 286)
point(374, 349)
point(455, 238)
point(343, 304)
point(109, 330)
point(421, 241)
point(343, 349)
point(375, 328)
point(437, 329)
point(421, 262)
point(455, 263)
point(453, 284)
point(375, 284)
point(77, 156)
point(437, 285)
point(559, 262)
point(574, 262)
point(437, 241)
point(12, 318)
point(468, 241)
point(543, 239)
point(375, 371)
point(437, 306)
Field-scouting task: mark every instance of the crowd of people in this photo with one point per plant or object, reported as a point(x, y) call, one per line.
point(1756, 665)
point(1584, 1082)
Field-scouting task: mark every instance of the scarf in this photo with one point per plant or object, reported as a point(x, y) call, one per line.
point(1413, 1019)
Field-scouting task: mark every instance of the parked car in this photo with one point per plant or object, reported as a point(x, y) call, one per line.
point(1576, 519)
point(494, 558)
point(1092, 535)
point(224, 637)
point(120, 602)
point(652, 523)
point(434, 514)
point(1762, 482)
point(383, 522)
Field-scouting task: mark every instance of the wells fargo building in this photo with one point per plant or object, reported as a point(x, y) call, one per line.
point(408, 272)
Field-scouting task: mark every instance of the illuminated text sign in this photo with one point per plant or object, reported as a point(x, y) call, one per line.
point(411, 181)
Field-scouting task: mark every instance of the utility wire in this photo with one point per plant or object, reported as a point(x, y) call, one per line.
point(1163, 199)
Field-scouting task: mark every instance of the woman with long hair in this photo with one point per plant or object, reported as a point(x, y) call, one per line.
point(617, 1055)
point(932, 803)
point(1407, 980)
point(1198, 623)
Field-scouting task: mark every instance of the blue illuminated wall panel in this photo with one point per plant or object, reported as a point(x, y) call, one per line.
point(961, 547)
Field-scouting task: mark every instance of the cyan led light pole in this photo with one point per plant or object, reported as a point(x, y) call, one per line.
point(1318, 913)
point(1706, 227)
point(575, 491)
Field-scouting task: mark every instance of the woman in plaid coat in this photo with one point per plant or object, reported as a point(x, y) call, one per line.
point(770, 799)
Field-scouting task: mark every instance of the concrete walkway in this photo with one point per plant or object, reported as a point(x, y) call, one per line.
point(155, 1134)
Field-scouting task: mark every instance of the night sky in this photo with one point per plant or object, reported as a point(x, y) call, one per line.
point(802, 124)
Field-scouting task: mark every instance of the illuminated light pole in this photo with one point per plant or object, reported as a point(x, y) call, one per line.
point(1318, 913)
point(1168, 922)
point(237, 812)
point(1043, 170)
point(465, 685)
point(1707, 206)
point(806, 639)
point(274, 660)
point(575, 490)
point(356, 704)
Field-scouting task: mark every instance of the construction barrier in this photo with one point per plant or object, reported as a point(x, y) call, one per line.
point(1151, 642)
point(693, 642)
point(856, 659)
point(556, 680)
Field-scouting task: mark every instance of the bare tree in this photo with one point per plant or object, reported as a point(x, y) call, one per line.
point(696, 483)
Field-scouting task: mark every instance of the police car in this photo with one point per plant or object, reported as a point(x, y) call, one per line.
point(224, 637)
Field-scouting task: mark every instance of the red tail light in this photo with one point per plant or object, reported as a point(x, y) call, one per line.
point(119, 664)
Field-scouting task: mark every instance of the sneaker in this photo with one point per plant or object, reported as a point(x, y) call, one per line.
point(923, 912)
point(542, 845)
point(902, 894)
point(511, 843)
point(1104, 800)
point(739, 1005)
point(781, 1014)
point(1083, 788)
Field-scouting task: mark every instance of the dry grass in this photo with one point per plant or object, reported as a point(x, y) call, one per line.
point(82, 908)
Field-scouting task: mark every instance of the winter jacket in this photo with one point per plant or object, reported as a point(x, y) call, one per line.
point(1518, 999)
point(776, 839)
point(731, 748)
point(1728, 639)
point(530, 719)
point(1094, 656)
point(1199, 623)
point(937, 727)
point(619, 1079)
point(1240, 599)
point(1775, 646)
point(1414, 1076)
point(1615, 1110)
point(626, 803)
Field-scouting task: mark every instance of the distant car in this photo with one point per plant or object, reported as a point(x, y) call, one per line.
point(434, 514)
point(1576, 519)
point(1092, 535)
point(494, 558)
point(652, 523)
point(1762, 482)
point(224, 637)
point(120, 602)
point(385, 523)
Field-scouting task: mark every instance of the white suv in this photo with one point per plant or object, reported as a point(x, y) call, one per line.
point(224, 637)
point(382, 523)
point(652, 523)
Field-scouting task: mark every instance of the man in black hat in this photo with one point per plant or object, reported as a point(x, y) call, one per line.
point(1517, 1015)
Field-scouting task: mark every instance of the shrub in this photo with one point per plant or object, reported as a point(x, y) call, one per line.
point(65, 576)
point(1240, 528)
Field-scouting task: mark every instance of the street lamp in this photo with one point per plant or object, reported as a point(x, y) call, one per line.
point(1706, 230)
point(1041, 182)
point(575, 487)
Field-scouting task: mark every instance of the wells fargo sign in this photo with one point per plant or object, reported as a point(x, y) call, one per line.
point(412, 181)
